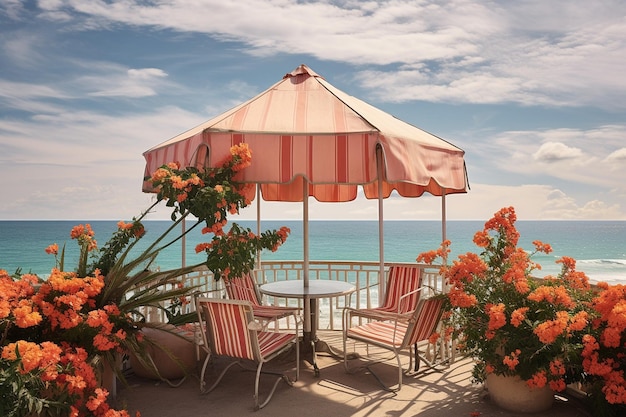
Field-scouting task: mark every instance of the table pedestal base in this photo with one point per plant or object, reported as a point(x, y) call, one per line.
point(313, 347)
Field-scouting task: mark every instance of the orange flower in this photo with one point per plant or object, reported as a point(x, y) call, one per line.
point(557, 367)
point(25, 316)
point(124, 226)
point(579, 321)
point(512, 360)
point(548, 331)
point(542, 247)
point(103, 343)
point(98, 400)
point(611, 337)
point(518, 315)
point(590, 345)
point(241, 155)
point(497, 317)
point(482, 239)
point(466, 268)
point(459, 298)
point(159, 175)
point(558, 385)
point(538, 380)
point(201, 247)
point(29, 353)
point(553, 294)
point(81, 230)
point(434, 337)
point(430, 256)
point(52, 249)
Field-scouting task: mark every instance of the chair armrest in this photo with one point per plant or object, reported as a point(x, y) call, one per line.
point(361, 289)
point(403, 299)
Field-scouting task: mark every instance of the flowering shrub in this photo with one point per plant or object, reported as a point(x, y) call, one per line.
point(510, 322)
point(58, 331)
point(604, 353)
point(550, 331)
point(56, 334)
point(228, 253)
point(210, 195)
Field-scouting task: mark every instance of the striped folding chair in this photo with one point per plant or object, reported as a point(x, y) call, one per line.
point(228, 329)
point(245, 288)
point(401, 280)
point(396, 332)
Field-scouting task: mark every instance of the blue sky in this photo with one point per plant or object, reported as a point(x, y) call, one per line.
point(533, 91)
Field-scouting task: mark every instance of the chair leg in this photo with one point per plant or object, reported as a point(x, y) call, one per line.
point(380, 381)
point(219, 378)
point(400, 371)
point(297, 342)
point(345, 350)
point(257, 404)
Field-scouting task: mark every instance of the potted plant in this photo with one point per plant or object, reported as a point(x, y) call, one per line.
point(518, 328)
point(59, 335)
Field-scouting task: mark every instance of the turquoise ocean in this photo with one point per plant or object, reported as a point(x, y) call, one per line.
point(599, 247)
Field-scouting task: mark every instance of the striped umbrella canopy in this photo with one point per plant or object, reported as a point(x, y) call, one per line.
point(303, 132)
point(310, 139)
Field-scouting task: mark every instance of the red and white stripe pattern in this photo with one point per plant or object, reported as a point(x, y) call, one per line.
point(243, 288)
point(227, 327)
point(426, 320)
point(396, 335)
point(303, 127)
point(401, 296)
point(271, 342)
point(401, 280)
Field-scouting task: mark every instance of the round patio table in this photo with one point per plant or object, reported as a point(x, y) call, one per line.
point(310, 294)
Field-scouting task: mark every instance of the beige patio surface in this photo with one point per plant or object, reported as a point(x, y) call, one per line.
point(447, 391)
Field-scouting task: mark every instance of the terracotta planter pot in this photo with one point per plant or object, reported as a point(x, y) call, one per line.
point(511, 393)
point(183, 349)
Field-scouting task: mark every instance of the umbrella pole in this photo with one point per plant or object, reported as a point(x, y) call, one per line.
point(443, 216)
point(258, 224)
point(305, 232)
point(305, 255)
point(382, 285)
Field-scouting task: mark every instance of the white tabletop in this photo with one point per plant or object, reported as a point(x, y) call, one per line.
point(316, 288)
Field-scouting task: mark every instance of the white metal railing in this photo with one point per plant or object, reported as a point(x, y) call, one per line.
point(363, 275)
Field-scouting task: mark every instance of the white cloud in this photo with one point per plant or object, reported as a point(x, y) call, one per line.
point(453, 51)
point(573, 155)
point(619, 156)
point(142, 82)
point(77, 164)
point(146, 73)
point(556, 151)
point(11, 8)
point(22, 90)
